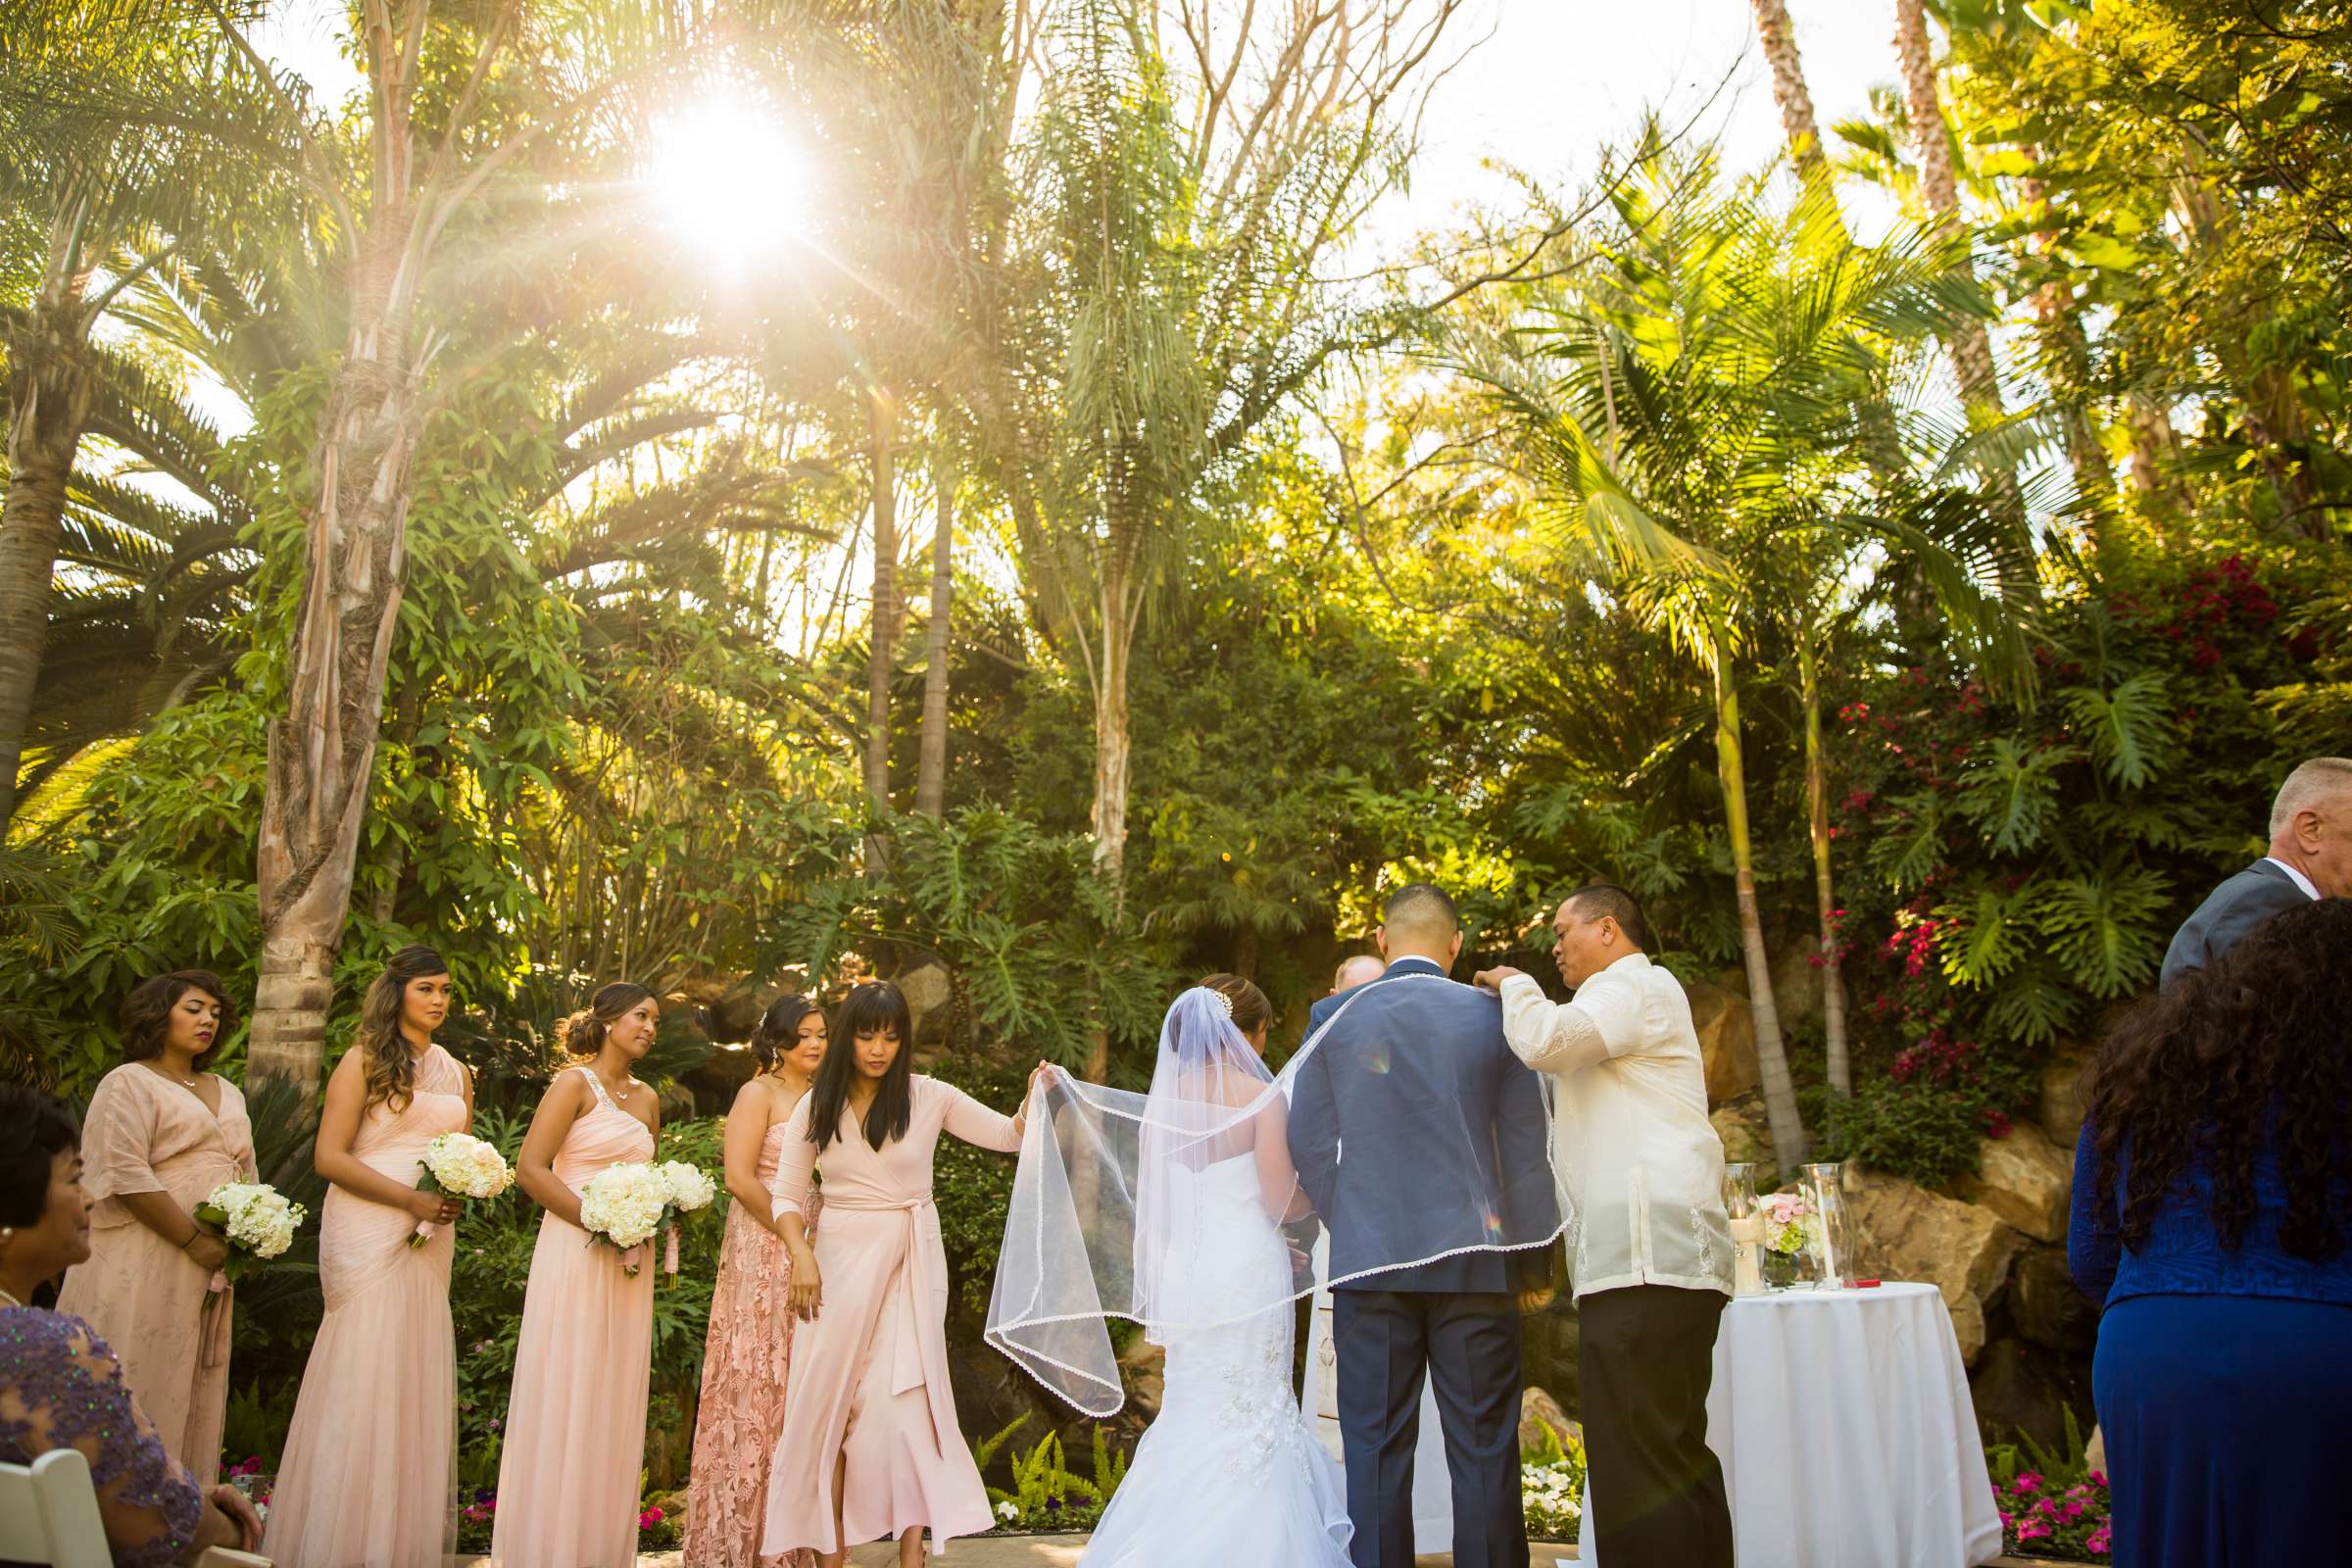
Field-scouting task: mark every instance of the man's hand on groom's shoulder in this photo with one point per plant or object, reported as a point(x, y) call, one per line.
point(1493, 979)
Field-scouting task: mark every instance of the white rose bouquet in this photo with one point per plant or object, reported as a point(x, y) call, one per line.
point(255, 1218)
point(630, 1204)
point(463, 1165)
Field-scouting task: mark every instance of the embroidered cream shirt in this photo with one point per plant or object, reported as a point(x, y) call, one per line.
point(1640, 1165)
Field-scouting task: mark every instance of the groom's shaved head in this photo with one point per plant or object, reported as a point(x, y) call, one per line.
point(1421, 915)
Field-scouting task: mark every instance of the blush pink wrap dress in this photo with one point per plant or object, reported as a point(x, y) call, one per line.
point(144, 1296)
point(870, 1373)
point(575, 1420)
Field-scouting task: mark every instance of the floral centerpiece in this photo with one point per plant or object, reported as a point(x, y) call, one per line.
point(464, 1166)
point(627, 1204)
point(256, 1219)
point(1789, 1223)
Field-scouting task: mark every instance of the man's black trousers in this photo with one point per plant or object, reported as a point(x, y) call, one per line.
point(1645, 1355)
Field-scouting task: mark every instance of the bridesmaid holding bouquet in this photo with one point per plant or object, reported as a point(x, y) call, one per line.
point(161, 1135)
point(576, 1421)
point(869, 1447)
point(748, 1348)
point(369, 1456)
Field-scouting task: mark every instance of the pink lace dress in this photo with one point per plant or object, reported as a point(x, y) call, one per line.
point(744, 1363)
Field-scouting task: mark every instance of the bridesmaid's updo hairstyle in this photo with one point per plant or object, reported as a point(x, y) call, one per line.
point(583, 1033)
point(146, 1014)
point(1251, 1008)
point(43, 1129)
point(875, 1008)
point(389, 1064)
point(780, 1028)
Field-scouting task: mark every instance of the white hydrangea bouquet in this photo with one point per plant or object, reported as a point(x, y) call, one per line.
point(256, 1219)
point(629, 1203)
point(464, 1166)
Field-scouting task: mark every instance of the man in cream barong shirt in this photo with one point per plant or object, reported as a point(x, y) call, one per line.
point(1649, 1248)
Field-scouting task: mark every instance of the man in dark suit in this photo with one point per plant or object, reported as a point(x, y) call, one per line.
point(2311, 857)
point(1423, 1142)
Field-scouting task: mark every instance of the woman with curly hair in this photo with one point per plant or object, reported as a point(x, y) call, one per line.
point(2209, 1216)
point(367, 1477)
point(163, 1132)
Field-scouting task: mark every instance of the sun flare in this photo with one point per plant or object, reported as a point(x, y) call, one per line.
point(729, 179)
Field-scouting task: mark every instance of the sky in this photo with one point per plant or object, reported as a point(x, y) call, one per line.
point(1551, 82)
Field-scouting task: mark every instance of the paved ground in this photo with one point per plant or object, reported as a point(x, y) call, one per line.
point(1061, 1551)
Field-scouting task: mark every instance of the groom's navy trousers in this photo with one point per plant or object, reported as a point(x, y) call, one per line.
point(1467, 1343)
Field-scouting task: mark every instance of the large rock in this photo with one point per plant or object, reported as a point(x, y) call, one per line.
point(2025, 1179)
point(2020, 1390)
point(1904, 1232)
point(1796, 981)
point(2044, 1304)
point(2060, 1107)
point(929, 991)
point(1536, 1406)
point(1746, 1131)
point(1144, 1369)
point(1726, 1041)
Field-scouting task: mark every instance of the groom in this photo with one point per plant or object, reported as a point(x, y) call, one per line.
point(1419, 1135)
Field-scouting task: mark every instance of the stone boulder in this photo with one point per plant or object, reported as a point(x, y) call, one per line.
point(929, 992)
point(1746, 1131)
point(2026, 1180)
point(1904, 1232)
point(1144, 1369)
point(1536, 1406)
point(2060, 1107)
point(2020, 1390)
point(1796, 981)
point(2044, 1305)
point(1726, 1041)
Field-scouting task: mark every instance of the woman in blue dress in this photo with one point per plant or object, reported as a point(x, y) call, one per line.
point(2211, 1184)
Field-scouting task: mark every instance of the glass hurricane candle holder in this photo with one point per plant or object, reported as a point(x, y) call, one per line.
point(1831, 1241)
point(1747, 1229)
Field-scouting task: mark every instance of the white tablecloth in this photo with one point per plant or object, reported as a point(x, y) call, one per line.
point(1846, 1434)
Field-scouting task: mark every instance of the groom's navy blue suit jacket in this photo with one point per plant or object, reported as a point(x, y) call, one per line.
point(1443, 1131)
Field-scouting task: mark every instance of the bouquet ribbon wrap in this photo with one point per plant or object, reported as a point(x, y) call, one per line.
point(669, 1251)
point(212, 1329)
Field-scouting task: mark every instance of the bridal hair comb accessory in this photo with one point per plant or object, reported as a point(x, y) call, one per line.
point(1224, 1002)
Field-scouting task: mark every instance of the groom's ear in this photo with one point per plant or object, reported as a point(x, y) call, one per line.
point(1455, 952)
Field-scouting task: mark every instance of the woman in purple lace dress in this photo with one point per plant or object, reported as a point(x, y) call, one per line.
point(60, 1386)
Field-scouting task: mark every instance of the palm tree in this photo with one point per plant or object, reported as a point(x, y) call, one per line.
point(1776, 35)
point(1689, 407)
point(98, 200)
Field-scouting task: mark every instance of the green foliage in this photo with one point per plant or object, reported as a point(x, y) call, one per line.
point(1046, 1494)
point(1922, 1132)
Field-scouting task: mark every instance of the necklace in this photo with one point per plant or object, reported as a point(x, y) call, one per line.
point(9, 1298)
point(163, 1072)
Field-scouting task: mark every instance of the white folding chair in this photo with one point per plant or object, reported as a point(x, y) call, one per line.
point(49, 1513)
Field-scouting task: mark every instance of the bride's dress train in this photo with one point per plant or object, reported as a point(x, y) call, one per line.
point(1229, 1475)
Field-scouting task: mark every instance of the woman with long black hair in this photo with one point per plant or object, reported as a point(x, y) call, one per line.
point(2211, 1185)
point(869, 1447)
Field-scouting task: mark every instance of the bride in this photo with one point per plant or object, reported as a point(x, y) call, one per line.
point(1196, 1181)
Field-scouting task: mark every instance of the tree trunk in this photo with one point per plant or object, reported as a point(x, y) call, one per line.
point(1111, 759)
point(2155, 454)
point(931, 768)
point(1777, 35)
point(1772, 1056)
point(1971, 346)
point(323, 752)
point(52, 391)
point(884, 636)
point(1839, 1069)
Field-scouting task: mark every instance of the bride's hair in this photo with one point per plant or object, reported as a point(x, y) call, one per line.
point(1251, 1008)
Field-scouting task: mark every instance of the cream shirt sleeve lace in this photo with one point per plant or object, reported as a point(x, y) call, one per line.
point(1565, 1037)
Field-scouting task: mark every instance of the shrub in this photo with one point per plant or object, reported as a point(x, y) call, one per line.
point(2052, 1503)
point(1922, 1132)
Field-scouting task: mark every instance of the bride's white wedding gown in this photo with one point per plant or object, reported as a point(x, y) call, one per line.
point(1228, 1475)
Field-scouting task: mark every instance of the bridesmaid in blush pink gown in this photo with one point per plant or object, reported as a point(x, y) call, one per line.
point(869, 1447)
point(575, 1420)
point(161, 1134)
point(749, 1347)
point(370, 1458)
